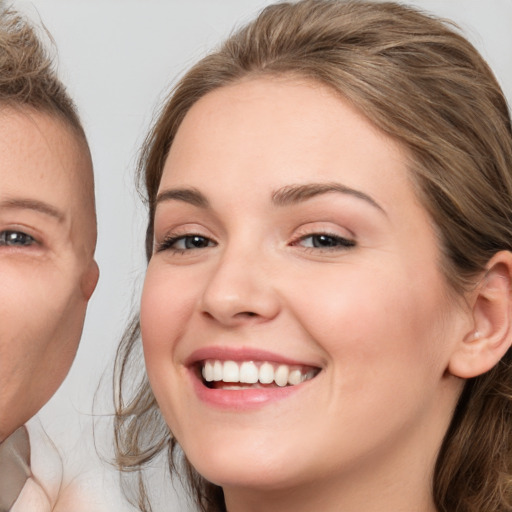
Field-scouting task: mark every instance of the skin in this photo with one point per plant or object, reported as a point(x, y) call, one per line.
point(377, 317)
point(47, 240)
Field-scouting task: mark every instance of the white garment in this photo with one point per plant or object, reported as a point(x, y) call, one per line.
point(46, 490)
point(40, 462)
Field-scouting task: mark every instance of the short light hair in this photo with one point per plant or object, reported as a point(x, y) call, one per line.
point(27, 71)
point(29, 82)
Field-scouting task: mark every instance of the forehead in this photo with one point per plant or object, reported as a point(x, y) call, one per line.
point(44, 160)
point(41, 157)
point(289, 130)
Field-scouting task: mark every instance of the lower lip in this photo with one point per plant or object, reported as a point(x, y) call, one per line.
point(241, 399)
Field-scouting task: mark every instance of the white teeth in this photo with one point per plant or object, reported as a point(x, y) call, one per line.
point(217, 371)
point(250, 372)
point(266, 373)
point(208, 371)
point(295, 377)
point(231, 372)
point(281, 376)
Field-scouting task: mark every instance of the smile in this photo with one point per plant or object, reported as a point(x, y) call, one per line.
point(236, 375)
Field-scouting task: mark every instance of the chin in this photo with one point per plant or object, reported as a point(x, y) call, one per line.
point(258, 465)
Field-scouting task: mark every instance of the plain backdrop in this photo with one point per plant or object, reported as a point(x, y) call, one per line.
point(118, 58)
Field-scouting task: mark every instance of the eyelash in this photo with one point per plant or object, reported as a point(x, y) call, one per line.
point(333, 242)
point(169, 241)
point(11, 238)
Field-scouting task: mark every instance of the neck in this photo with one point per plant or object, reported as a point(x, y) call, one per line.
point(388, 495)
point(396, 480)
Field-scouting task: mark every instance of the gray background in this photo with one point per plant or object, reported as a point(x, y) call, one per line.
point(118, 57)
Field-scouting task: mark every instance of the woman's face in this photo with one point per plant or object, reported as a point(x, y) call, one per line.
point(47, 238)
point(291, 253)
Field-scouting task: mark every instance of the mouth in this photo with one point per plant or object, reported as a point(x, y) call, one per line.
point(238, 375)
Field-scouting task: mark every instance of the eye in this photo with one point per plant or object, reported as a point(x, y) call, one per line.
point(184, 243)
point(15, 239)
point(324, 241)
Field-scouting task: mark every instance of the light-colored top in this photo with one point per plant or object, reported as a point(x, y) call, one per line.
point(31, 476)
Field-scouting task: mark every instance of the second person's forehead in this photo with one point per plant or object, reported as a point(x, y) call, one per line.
point(43, 165)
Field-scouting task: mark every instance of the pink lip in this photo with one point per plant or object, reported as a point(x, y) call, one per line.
point(243, 399)
point(240, 354)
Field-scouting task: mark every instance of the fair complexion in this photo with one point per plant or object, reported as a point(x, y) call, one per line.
point(287, 231)
point(47, 239)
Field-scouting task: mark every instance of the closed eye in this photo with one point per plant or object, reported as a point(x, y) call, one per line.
point(12, 238)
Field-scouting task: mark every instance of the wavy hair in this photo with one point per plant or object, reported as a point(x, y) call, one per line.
point(422, 83)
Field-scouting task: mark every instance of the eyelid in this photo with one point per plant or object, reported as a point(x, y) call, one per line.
point(323, 227)
point(346, 238)
point(8, 224)
point(345, 243)
point(174, 233)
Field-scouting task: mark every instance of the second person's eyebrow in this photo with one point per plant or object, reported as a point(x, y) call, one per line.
point(16, 203)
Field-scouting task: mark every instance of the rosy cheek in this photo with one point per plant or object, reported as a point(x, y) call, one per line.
point(165, 305)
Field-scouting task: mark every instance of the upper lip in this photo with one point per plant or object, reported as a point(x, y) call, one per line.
point(242, 354)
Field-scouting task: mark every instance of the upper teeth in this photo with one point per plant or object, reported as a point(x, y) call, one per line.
point(250, 372)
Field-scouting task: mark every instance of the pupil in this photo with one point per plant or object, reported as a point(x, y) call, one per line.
point(196, 242)
point(15, 238)
point(324, 241)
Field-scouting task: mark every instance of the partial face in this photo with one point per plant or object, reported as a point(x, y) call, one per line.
point(47, 236)
point(296, 325)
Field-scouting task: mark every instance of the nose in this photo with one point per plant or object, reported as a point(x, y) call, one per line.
point(240, 290)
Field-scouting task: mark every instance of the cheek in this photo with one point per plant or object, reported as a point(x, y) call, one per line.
point(375, 320)
point(167, 303)
point(385, 343)
point(42, 315)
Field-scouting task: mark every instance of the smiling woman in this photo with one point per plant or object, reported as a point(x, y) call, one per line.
point(326, 310)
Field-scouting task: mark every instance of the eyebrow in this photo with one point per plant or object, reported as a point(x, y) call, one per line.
point(33, 204)
point(187, 195)
point(292, 194)
point(288, 195)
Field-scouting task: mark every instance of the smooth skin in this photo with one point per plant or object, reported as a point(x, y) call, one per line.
point(343, 274)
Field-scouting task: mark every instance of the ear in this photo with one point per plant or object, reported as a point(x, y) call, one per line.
point(491, 336)
point(90, 279)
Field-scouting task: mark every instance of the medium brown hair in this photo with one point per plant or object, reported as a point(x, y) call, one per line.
point(423, 84)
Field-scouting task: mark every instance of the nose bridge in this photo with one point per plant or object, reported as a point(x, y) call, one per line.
point(240, 286)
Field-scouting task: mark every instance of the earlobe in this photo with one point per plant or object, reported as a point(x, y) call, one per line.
point(90, 279)
point(491, 336)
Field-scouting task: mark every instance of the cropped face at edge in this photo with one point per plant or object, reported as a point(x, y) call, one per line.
point(47, 239)
point(295, 321)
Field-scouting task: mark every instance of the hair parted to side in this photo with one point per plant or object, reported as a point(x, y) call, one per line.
point(423, 84)
point(27, 74)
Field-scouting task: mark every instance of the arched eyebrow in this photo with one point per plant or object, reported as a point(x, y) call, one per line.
point(187, 195)
point(292, 194)
point(32, 204)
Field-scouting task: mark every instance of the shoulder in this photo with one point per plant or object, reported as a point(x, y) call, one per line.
point(49, 488)
point(43, 485)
